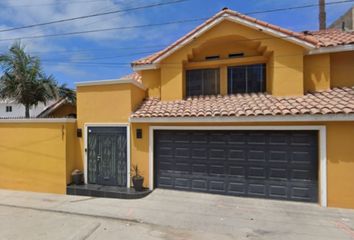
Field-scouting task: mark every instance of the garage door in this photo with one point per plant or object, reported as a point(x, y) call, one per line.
point(266, 164)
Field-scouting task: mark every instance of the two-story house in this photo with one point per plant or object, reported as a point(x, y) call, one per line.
point(237, 106)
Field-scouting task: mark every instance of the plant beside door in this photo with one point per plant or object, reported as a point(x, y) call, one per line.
point(137, 179)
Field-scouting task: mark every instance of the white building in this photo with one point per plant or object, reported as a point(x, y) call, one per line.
point(345, 22)
point(11, 109)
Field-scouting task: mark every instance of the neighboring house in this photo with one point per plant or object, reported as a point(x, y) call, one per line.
point(345, 22)
point(59, 109)
point(237, 107)
point(11, 109)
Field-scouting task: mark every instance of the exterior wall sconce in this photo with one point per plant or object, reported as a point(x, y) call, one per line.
point(139, 133)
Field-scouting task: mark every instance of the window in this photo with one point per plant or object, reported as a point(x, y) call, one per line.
point(247, 79)
point(8, 108)
point(202, 82)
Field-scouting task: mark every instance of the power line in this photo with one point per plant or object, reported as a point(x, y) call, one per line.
point(92, 15)
point(153, 25)
point(54, 4)
point(297, 7)
point(102, 30)
point(107, 57)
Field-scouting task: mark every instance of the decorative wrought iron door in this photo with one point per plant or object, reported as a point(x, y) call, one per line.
point(107, 156)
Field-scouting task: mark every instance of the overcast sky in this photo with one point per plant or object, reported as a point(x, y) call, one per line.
point(106, 55)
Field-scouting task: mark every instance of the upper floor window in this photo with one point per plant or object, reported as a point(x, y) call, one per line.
point(8, 108)
point(247, 79)
point(203, 82)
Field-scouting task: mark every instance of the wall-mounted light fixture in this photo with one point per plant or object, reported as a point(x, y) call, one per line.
point(139, 133)
point(79, 132)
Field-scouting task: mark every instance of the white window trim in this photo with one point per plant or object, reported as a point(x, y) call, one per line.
point(322, 143)
point(86, 126)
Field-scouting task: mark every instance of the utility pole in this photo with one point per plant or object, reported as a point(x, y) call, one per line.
point(322, 15)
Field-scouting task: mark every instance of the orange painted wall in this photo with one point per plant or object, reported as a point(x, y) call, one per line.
point(35, 156)
point(317, 72)
point(340, 155)
point(284, 59)
point(112, 103)
point(342, 69)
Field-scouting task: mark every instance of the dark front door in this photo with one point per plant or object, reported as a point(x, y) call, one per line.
point(266, 164)
point(107, 156)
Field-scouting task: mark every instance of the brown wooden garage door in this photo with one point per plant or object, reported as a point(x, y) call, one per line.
point(266, 164)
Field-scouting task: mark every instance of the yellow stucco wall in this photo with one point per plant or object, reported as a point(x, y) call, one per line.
point(342, 69)
point(285, 59)
point(152, 81)
point(34, 156)
point(340, 159)
point(104, 104)
point(340, 156)
point(317, 72)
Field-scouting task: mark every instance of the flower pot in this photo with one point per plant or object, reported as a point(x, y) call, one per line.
point(77, 177)
point(138, 183)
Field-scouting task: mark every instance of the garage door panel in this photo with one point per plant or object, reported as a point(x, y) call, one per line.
point(199, 185)
point(217, 138)
point(277, 139)
point(217, 154)
point(266, 164)
point(237, 138)
point(199, 169)
point(257, 189)
point(217, 186)
point(276, 173)
point(236, 171)
point(218, 170)
point(256, 173)
point(302, 139)
point(198, 138)
point(302, 174)
point(236, 155)
point(256, 155)
point(237, 188)
point(182, 183)
point(278, 156)
point(256, 138)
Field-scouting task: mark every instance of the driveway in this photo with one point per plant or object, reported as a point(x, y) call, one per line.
point(166, 214)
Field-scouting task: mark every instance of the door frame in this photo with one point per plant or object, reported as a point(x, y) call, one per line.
point(86, 126)
point(322, 145)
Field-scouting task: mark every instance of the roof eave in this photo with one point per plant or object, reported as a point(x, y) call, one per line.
point(141, 67)
point(110, 82)
point(333, 49)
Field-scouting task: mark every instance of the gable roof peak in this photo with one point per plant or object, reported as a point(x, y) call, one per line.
point(308, 42)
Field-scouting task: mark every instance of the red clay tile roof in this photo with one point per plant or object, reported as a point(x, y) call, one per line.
point(334, 101)
point(316, 38)
point(332, 37)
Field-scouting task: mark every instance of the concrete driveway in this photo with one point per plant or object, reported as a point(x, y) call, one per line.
point(167, 215)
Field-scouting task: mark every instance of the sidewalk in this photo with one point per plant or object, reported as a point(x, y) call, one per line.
point(193, 214)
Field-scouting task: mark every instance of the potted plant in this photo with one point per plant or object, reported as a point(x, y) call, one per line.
point(138, 180)
point(77, 177)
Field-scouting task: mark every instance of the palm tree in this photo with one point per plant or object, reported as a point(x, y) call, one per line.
point(25, 82)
